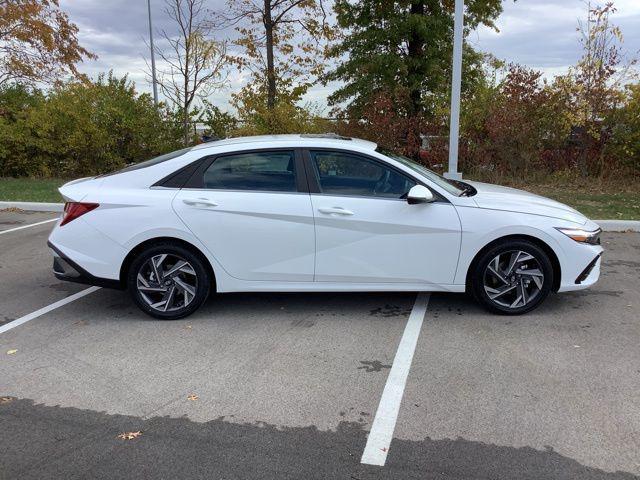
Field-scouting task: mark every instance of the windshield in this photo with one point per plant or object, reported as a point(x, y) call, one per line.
point(425, 172)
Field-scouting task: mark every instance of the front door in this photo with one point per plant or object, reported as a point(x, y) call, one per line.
point(250, 213)
point(366, 232)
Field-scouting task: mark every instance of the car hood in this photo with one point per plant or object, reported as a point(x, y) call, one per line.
point(508, 199)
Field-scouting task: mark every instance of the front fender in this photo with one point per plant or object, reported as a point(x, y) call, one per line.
point(481, 227)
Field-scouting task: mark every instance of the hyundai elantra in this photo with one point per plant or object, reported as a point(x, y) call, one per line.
point(314, 213)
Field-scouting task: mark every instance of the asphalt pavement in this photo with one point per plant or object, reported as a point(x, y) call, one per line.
point(287, 386)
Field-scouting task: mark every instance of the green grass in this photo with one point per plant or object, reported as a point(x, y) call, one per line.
point(600, 202)
point(30, 189)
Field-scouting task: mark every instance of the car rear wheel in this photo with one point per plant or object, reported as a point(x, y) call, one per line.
point(168, 281)
point(512, 278)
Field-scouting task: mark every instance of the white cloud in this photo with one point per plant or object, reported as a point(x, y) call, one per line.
point(543, 34)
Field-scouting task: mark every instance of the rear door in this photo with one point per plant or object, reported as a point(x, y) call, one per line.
point(253, 212)
point(366, 232)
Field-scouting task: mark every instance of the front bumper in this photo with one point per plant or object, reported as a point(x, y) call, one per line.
point(588, 276)
point(586, 273)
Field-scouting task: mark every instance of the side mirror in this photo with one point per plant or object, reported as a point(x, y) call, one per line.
point(419, 194)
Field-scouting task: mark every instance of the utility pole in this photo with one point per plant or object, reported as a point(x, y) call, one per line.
point(153, 58)
point(454, 124)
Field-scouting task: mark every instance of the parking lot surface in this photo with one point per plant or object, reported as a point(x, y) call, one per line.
point(287, 386)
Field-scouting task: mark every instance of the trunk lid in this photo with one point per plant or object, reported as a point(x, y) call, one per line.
point(76, 190)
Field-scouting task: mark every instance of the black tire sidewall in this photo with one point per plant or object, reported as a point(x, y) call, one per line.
point(477, 279)
point(196, 261)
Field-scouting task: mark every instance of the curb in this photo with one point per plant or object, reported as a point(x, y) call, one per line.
point(33, 206)
point(619, 225)
point(606, 225)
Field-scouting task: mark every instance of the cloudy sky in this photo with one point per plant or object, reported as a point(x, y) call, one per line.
point(538, 33)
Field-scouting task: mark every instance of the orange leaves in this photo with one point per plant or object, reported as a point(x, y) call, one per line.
point(37, 42)
point(129, 435)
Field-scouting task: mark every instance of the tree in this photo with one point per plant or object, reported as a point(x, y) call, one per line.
point(192, 62)
point(38, 42)
point(594, 88)
point(403, 44)
point(598, 67)
point(282, 44)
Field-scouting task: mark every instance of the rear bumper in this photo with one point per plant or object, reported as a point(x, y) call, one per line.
point(66, 269)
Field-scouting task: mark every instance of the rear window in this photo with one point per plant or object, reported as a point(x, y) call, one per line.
point(151, 162)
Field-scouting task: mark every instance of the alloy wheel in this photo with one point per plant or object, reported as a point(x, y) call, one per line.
point(513, 279)
point(167, 282)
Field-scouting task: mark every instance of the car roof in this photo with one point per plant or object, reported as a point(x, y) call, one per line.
point(322, 139)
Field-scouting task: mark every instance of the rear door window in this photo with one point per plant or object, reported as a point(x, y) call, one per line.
point(259, 171)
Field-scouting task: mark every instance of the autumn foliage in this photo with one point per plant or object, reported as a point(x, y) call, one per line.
point(517, 124)
point(81, 128)
point(38, 43)
point(392, 59)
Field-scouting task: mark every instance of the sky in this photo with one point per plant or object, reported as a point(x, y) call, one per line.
point(538, 33)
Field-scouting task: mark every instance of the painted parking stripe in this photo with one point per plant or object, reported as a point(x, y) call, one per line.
point(384, 423)
point(71, 298)
point(27, 226)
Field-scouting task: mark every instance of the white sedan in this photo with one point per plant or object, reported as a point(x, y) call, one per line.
point(314, 213)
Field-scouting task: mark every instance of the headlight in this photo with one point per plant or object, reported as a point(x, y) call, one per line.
point(582, 236)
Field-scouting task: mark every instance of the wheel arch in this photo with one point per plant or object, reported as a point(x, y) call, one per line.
point(126, 263)
point(553, 258)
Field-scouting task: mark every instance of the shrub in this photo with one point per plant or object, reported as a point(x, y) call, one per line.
point(286, 116)
point(624, 128)
point(81, 128)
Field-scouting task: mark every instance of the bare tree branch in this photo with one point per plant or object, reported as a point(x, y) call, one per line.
point(192, 63)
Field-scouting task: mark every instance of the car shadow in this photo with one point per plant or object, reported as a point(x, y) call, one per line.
point(45, 442)
point(119, 305)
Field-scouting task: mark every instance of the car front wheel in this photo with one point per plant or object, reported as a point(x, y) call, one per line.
point(168, 281)
point(512, 278)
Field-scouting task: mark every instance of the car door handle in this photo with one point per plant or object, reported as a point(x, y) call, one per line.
point(335, 211)
point(199, 202)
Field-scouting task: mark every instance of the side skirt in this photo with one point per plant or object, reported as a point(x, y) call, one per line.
point(265, 286)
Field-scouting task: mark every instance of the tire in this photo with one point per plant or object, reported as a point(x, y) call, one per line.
point(177, 286)
point(517, 282)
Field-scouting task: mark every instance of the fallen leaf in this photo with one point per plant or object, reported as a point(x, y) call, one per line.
point(193, 397)
point(6, 400)
point(11, 352)
point(130, 435)
point(188, 327)
point(576, 346)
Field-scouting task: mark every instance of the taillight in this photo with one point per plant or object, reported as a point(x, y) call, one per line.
point(73, 210)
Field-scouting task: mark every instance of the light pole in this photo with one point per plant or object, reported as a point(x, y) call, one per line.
point(153, 58)
point(454, 124)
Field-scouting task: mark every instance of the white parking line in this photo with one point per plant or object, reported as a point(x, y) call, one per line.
point(27, 226)
point(384, 423)
point(47, 309)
